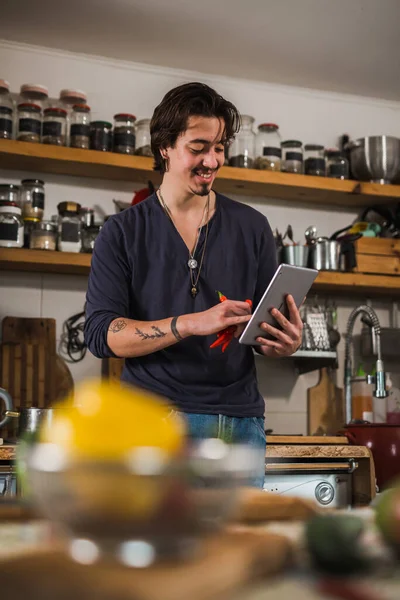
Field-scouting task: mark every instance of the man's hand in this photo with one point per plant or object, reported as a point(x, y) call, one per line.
point(288, 340)
point(231, 313)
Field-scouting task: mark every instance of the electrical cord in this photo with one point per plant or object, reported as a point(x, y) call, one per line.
point(72, 342)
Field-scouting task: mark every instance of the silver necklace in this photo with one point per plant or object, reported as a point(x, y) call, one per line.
point(192, 262)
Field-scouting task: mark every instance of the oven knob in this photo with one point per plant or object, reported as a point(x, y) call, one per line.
point(324, 493)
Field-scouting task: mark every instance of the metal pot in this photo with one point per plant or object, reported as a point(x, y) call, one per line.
point(384, 442)
point(375, 158)
point(326, 255)
point(29, 419)
point(295, 255)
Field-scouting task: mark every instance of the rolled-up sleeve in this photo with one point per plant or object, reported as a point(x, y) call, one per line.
point(107, 296)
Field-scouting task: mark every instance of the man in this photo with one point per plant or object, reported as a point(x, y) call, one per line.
point(157, 269)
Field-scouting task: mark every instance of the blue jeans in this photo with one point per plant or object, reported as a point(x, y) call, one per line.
point(245, 430)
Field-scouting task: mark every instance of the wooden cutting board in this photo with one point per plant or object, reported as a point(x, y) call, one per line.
point(226, 563)
point(325, 406)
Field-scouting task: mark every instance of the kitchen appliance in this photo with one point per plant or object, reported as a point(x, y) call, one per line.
point(375, 158)
point(383, 439)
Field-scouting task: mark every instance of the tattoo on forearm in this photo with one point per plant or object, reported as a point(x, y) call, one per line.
point(150, 336)
point(117, 325)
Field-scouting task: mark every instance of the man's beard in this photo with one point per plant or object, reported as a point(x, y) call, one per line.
point(204, 190)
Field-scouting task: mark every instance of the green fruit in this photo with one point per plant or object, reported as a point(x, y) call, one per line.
point(334, 544)
point(387, 516)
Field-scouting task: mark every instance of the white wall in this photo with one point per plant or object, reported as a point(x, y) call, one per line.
point(119, 86)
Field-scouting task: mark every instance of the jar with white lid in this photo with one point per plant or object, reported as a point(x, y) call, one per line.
point(268, 148)
point(69, 227)
point(6, 111)
point(54, 126)
point(242, 149)
point(11, 226)
point(34, 93)
point(43, 236)
point(143, 142)
point(9, 193)
point(29, 122)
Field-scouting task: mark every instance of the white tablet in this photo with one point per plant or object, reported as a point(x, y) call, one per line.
point(287, 280)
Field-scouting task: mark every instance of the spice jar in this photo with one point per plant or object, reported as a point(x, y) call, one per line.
point(43, 236)
point(69, 97)
point(124, 133)
point(241, 151)
point(11, 226)
point(101, 136)
point(337, 165)
point(80, 126)
point(29, 226)
point(6, 111)
point(29, 122)
point(268, 148)
point(9, 193)
point(69, 227)
point(143, 143)
point(54, 126)
point(33, 93)
point(32, 198)
point(314, 163)
point(90, 231)
point(292, 156)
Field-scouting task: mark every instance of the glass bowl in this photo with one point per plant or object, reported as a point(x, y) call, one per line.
point(145, 507)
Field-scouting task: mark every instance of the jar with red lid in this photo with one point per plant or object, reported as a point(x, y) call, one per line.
point(69, 97)
point(124, 133)
point(54, 126)
point(79, 133)
point(29, 122)
point(268, 147)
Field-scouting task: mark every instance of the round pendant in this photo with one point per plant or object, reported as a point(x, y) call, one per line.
point(192, 263)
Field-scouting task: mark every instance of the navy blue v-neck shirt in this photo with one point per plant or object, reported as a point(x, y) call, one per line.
point(140, 271)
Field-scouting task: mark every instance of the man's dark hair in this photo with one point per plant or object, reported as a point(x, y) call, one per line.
point(171, 116)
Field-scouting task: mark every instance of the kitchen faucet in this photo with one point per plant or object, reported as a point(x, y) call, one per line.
point(379, 379)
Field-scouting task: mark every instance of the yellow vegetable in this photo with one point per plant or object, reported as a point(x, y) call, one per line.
point(105, 420)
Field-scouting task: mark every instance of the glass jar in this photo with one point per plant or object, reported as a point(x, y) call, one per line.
point(314, 163)
point(69, 97)
point(69, 227)
point(43, 236)
point(124, 133)
point(268, 148)
point(143, 142)
point(242, 149)
point(11, 226)
point(337, 165)
point(80, 126)
point(32, 198)
point(33, 93)
point(29, 226)
point(101, 136)
point(54, 126)
point(90, 231)
point(6, 111)
point(292, 156)
point(9, 193)
point(29, 122)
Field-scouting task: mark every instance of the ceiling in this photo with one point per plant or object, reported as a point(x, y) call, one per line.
point(349, 46)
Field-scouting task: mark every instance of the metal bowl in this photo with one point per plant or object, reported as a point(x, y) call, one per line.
point(145, 507)
point(375, 158)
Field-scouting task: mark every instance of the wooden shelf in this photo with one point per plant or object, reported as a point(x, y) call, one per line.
point(42, 158)
point(41, 261)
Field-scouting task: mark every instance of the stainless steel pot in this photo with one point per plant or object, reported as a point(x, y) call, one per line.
point(29, 419)
point(326, 255)
point(295, 255)
point(375, 158)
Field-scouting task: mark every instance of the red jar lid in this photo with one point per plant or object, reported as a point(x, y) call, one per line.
point(125, 116)
point(30, 106)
